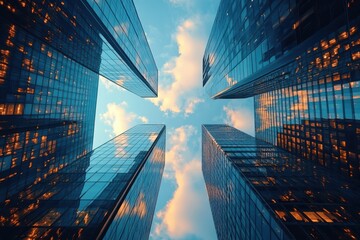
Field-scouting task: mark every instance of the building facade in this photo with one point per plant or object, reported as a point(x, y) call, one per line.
point(320, 122)
point(259, 46)
point(301, 63)
point(49, 64)
point(259, 191)
point(300, 60)
point(50, 61)
point(51, 56)
point(126, 56)
point(109, 193)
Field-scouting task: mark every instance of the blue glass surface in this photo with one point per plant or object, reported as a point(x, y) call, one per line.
point(113, 187)
point(260, 45)
point(51, 54)
point(259, 191)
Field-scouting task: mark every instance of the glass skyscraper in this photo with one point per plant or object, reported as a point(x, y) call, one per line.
point(320, 122)
point(260, 45)
point(49, 64)
point(51, 55)
point(300, 61)
point(259, 191)
point(126, 56)
point(109, 193)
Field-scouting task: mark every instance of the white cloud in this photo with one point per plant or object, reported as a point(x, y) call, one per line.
point(241, 116)
point(106, 83)
point(119, 119)
point(184, 214)
point(143, 119)
point(191, 103)
point(185, 71)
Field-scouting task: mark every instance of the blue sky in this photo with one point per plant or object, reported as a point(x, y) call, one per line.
point(177, 31)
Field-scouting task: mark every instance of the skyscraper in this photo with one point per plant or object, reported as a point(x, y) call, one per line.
point(51, 55)
point(126, 56)
point(259, 191)
point(300, 61)
point(109, 193)
point(318, 121)
point(49, 63)
point(259, 46)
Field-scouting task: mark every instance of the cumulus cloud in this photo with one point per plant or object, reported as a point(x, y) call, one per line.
point(119, 119)
point(143, 119)
point(190, 105)
point(179, 142)
point(183, 216)
point(185, 71)
point(240, 116)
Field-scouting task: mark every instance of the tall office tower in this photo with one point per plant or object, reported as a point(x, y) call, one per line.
point(49, 63)
point(300, 59)
point(126, 56)
point(109, 193)
point(259, 191)
point(257, 46)
point(51, 55)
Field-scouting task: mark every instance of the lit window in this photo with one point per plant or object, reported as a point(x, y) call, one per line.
point(297, 215)
point(313, 216)
point(281, 214)
point(324, 216)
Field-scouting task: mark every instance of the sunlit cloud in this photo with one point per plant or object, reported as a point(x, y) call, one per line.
point(119, 119)
point(240, 116)
point(179, 144)
point(185, 71)
point(143, 119)
point(190, 105)
point(106, 83)
point(183, 216)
